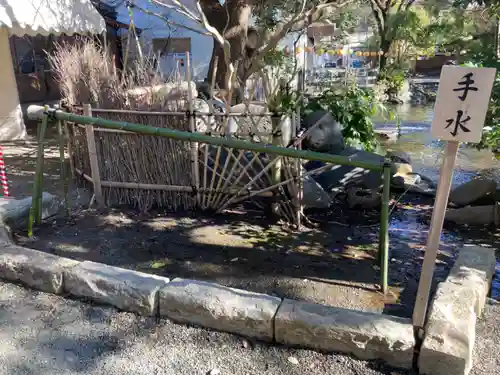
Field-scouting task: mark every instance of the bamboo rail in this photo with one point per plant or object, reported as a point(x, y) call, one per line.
point(36, 112)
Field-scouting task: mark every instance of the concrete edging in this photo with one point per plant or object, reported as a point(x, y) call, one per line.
point(450, 330)
point(446, 348)
point(211, 305)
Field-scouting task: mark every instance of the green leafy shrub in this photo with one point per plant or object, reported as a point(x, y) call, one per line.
point(354, 108)
point(393, 79)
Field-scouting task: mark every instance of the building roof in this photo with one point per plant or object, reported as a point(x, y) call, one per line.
point(32, 17)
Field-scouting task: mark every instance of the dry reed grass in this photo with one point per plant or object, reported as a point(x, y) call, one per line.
point(87, 74)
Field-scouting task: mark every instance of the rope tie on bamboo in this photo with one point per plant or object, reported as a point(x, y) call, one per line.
point(194, 191)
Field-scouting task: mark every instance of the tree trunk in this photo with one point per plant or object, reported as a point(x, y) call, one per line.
point(232, 23)
point(385, 46)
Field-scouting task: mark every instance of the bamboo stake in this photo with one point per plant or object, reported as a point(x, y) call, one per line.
point(68, 138)
point(298, 168)
point(244, 170)
point(215, 168)
point(62, 163)
point(217, 199)
point(94, 163)
point(84, 175)
point(206, 199)
point(192, 128)
point(36, 200)
point(223, 173)
point(204, 203)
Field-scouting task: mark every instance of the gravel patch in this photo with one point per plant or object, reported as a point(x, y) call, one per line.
point(45, 334)
point(486, 359)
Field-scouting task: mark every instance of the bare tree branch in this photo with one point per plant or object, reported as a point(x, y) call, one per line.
point(170, 22)
point(298, 22)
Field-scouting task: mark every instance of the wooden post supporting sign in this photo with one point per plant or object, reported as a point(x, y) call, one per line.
point(459, 114)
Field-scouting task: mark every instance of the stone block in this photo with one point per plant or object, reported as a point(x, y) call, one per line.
point(125, 289)
point(365, 335)
point(219, 307)
point(474, 190)
point(449, 332)
point(474, 215)
point(474, 269)
point(34, 268)
point(14, 212)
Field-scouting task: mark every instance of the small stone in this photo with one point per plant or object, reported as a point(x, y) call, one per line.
point(245, 343)
point(213, 371)
point(293, 360)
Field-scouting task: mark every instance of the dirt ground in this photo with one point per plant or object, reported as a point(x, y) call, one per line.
point(332, 264)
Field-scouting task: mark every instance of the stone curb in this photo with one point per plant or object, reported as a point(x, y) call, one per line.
point(207, 304)
point(125, 289)
point(219, 307)
point(450, 330)
point(365, 335)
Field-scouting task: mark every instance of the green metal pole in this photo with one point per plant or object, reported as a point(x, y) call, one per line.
point(383, 251)
point(202, 138)
point(39, 171)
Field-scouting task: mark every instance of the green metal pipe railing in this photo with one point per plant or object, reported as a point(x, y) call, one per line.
point(53, 115)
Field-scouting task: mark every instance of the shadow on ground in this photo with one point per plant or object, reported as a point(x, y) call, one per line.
point(334, 264)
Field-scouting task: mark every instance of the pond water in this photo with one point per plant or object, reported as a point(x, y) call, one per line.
point(426, 152)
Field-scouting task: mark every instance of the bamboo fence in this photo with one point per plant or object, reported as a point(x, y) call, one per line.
point(147, 171)
point(226, 191)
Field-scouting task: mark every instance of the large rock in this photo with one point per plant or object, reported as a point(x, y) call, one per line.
point(401, 157)
point(34, 268)
point(450, 330)
point(474, 215)
point(126, 289)
point(326, 136)
point(365, 335)
point(215, 306)
point(474, 190)
point(404, 176)
point(15, 211)
point(342, 176)
point(366, 199)
point(258, 124)
point(313, 194)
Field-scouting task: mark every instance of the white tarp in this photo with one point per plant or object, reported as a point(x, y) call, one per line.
point(31, 17)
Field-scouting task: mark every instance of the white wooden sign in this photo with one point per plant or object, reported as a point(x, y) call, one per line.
point(459, 114)
point(461, 103)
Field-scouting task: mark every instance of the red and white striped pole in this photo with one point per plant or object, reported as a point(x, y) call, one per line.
point(3, 175)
